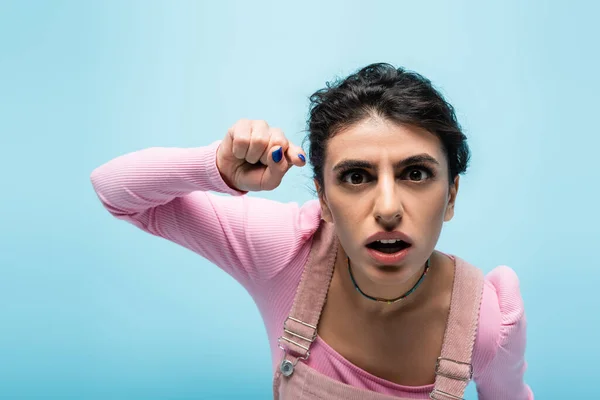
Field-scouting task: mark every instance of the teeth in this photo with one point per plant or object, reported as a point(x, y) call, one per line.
point(390, 241)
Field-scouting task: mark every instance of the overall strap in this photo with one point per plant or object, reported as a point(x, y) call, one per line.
point(454, 369)
point(300, 327)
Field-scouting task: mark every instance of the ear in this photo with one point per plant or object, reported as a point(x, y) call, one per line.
point(451, 199)
point(325, 211)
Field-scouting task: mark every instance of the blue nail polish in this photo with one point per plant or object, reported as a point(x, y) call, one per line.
point(278, 155)
point(302, 157)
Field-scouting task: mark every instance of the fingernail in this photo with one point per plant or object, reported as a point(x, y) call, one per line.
point(278, 155)
point(300, 156)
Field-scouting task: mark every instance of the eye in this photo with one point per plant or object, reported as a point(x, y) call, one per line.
point(354, 177)
point(418, 174)
point(357, 177)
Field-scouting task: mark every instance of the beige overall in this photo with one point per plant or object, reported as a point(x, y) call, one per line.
point(294, 380)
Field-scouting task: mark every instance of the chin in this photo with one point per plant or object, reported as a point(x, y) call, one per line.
point(390, 274)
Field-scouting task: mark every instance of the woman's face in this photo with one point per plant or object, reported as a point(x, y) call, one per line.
point(381, 176)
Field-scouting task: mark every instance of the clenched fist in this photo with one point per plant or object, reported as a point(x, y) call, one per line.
point(255, 157)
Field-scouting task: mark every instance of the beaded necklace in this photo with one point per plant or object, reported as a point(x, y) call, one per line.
point(390, 301)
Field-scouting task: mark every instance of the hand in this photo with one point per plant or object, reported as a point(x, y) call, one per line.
point(255, 157)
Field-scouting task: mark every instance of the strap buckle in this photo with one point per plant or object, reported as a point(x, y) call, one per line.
point(433, 395)
point(455, 375)
point(287, 367)
point(287, 330)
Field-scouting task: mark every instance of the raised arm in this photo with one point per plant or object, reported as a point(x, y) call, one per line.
point(166, 192)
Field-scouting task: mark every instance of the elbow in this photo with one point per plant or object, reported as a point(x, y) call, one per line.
point(101, 185)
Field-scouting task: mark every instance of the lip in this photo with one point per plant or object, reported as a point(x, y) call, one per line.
point(388, 259)
point(389, 236)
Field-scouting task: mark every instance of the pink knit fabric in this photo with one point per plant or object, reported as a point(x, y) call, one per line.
point(166, 192)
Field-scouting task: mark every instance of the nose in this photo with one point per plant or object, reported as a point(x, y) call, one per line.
point(388, 206)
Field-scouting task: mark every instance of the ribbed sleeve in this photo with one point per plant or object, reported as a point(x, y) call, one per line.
point(166, 192)
point(503, 376)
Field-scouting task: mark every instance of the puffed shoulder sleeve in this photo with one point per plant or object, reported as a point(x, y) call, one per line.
point(503, 377)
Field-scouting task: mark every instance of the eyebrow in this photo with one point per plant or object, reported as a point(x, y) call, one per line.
point(416, 159)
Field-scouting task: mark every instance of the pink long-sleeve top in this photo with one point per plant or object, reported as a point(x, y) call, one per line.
point(166, 192)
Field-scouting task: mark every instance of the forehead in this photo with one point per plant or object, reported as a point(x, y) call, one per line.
point(376, 139)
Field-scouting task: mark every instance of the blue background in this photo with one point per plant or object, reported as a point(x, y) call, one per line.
point(91, 308)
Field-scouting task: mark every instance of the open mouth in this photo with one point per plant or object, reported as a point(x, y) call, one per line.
point(388, 246)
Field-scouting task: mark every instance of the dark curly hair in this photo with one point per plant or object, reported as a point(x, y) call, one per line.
point(381, 90)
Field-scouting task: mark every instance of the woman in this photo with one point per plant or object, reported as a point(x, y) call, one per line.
point(357, 302)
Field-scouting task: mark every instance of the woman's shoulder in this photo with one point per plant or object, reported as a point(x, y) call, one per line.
point(501, 294)
point(280, 233)
point(502, 309)
point(310, 216)
point(504, 289)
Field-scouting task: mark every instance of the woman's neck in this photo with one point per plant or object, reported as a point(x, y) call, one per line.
point(346, 291)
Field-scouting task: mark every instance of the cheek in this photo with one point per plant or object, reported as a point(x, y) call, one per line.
point(433, 212)
point(440, 211)
point(340, 206)
point(343, 214)
point(346, 217)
